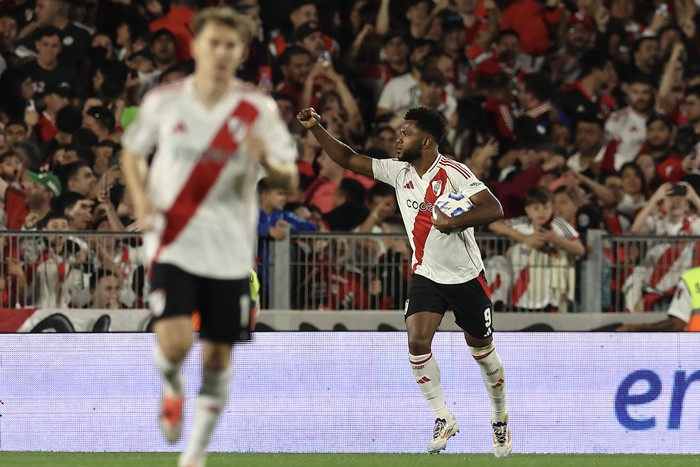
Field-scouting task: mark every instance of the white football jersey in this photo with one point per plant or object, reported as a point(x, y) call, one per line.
point(442, 258)
point(200, 181)
point(630, 129)
point(540, 277)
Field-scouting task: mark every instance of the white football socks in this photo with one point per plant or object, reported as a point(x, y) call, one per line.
point(494, 378)
point(210, 401)
point(173, 381)
point(427, 374)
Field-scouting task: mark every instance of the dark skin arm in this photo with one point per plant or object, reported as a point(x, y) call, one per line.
point(670, 324)
point(486, 210)
point(340, 153)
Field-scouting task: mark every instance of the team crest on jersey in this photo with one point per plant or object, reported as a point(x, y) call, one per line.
point(237, 128)
point(437, 185)
point(156, 302)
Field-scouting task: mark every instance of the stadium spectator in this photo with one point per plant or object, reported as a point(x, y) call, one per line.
point(349, 209)
point(322, 191)
point(627, 126)
point(16, 131)
point(100, 120)
point(543, 257)
point(295, 65)
point(388, 287)
point(104, 290)
point(535, 99)
point(178, 21)
point(11, 169)
point(634, 190)
point(55, 99)
point(683, 312)
point(47, 71)
point(78, 178)
point(163, 49)
point(688, 135)
point(585, 96)
point(590, 146)
point(669, 165)
point(666, 214)
point(75, 37)
point(275, 223)
point(58, 280)
point(402, 91)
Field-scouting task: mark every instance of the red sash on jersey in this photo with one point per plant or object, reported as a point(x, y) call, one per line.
point(203, 176)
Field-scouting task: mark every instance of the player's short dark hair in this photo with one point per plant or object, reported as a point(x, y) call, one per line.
point(592, 60)
point(539, 85)
point(538, 195)
point(292, 50)
point(429, 121)
point(225, 16)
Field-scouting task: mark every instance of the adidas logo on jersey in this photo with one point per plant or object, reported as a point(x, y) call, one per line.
point(409, 185)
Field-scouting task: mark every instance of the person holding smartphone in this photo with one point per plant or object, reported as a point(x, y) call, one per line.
point(666, 214)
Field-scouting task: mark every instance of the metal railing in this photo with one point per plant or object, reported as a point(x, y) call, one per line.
point(341, 271)
point(72, 270)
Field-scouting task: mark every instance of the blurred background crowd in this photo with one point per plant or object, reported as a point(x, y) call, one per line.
point(589, 108)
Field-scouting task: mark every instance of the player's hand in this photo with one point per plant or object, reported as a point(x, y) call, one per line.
point(144, 212)
point(308, 118)
point(254, 145)
point(442, 222)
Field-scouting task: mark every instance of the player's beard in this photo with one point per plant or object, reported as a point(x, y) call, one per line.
point(409, 154)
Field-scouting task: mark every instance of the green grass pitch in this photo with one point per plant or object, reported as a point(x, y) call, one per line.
point(63, 459)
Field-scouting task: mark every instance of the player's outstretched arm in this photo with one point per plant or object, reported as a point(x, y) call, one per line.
point(342, 154)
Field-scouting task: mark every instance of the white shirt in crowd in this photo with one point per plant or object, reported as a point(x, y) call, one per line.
point(630, 130)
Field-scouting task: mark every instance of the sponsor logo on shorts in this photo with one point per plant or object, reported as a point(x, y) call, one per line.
point(405, 307)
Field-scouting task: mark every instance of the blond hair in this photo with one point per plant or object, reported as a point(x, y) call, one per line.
point(225, 16)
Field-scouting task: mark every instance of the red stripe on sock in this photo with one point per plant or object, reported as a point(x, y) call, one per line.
point(422, 361)
point(481, 357)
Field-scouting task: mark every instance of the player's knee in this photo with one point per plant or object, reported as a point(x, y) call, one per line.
point(176, 351)
point(419, 345)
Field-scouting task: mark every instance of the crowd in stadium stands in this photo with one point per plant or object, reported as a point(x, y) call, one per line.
point(585, 110)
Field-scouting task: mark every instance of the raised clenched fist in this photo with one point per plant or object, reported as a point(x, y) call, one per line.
point(308, 117)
